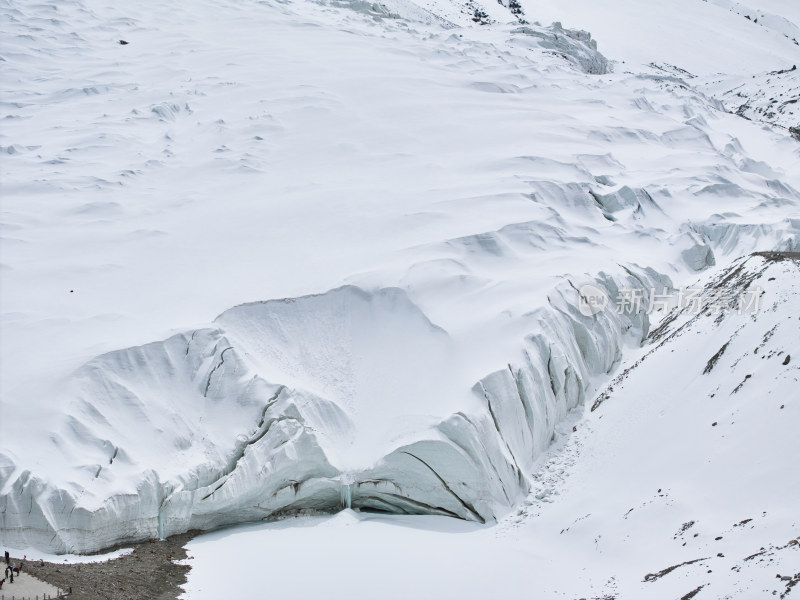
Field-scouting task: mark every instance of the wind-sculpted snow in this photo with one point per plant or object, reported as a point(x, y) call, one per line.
point(427, 198)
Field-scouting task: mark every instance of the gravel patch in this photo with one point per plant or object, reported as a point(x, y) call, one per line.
point(147, 572)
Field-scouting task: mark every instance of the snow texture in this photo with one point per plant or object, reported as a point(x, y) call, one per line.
point(391, 208)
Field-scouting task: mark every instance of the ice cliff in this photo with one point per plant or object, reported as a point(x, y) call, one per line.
point(287, 405)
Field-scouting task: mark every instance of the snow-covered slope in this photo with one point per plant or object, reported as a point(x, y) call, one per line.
point(703, 37)
point(688, 451)
point(771, 97)
point(391, 208)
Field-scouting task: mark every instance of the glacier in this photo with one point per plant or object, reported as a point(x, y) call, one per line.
point(347, 399)
point(413, 200)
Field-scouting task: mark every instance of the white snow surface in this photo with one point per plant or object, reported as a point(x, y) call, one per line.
point(703, 37)
point(270, 258)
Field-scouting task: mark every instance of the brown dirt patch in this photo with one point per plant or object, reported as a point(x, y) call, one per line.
point(148, 572)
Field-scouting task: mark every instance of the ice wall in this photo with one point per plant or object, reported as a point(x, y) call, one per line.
point(268, 413)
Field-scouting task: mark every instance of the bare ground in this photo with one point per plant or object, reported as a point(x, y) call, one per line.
point(148, 572)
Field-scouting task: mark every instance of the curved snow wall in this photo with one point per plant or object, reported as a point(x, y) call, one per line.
point(268, 414)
